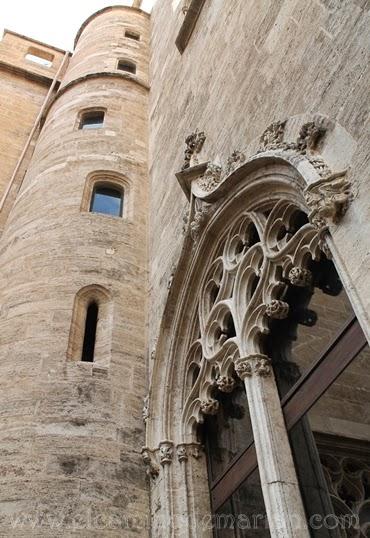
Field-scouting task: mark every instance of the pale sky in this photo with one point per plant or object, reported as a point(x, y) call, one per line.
point(54, 22)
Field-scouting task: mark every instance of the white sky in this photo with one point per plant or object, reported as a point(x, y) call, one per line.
point(54, 22)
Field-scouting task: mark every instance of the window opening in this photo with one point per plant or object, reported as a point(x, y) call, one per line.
point(107, 200)
point(40, 57)
point(125, 65)
point(132, 35)
point(91, 322)
point(92, 120)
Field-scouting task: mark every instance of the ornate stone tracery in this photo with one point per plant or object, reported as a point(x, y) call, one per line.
point(263, 251)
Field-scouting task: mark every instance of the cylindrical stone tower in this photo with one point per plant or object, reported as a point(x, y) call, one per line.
point(73, 260)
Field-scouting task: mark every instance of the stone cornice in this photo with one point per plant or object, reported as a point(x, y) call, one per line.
point(104, 10)
point(91, 76)
point(30, 75)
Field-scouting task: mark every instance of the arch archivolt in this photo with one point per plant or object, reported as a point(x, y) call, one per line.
point(253, 229)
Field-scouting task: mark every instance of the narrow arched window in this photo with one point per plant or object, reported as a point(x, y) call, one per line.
point(91, 323)
point(91, 326)
point(107, 200)
point(126, 65)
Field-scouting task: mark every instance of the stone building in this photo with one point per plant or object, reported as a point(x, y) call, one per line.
point(184, 261)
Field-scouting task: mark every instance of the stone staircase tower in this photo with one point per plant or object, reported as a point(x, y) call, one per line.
point(73, 257)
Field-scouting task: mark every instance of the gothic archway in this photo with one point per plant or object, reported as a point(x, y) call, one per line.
point(252, 229)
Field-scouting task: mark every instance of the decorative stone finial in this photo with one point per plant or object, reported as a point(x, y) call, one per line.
point(236, 159)
point(272, 137)
point(194, 143)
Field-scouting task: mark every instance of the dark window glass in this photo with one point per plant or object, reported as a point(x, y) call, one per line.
point(124, 65)
point(90, 333)
point(229, 432)
point(243, 515)
point(107, 200)
point(92, 120)
point(132, 35)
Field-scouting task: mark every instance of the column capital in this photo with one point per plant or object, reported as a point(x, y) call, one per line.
point(254, 364)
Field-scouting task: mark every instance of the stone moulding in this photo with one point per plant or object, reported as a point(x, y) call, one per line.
point(256, 364)
point(327, 193)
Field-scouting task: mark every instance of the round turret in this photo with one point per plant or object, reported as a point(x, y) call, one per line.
point(73, 256)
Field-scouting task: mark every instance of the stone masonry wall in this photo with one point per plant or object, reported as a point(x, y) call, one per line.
point(249, 63)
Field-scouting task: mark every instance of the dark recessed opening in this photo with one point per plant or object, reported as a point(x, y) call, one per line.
point(90, 333)
point(132, 35)
point(92, 120)
point(127, 66)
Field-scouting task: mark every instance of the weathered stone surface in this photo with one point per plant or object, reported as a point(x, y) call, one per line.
point(71, 432)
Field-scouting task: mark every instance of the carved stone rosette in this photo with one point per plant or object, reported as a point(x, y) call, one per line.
point(277, 309)
point(209, 407)
point(225, 383)
point(301, 277)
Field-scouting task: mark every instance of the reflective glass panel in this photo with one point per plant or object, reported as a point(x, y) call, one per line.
point(108, 201)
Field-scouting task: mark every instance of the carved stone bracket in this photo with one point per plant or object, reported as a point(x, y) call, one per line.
point(165, 452)
point(328, 199)
point(186, 450)
point(164, 455)
point(149, 460)
point(257, 363)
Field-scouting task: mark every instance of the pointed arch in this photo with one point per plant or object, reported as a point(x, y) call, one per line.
point(92, 306)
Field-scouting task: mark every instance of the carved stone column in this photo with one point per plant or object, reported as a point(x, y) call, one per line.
point(279, 482)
